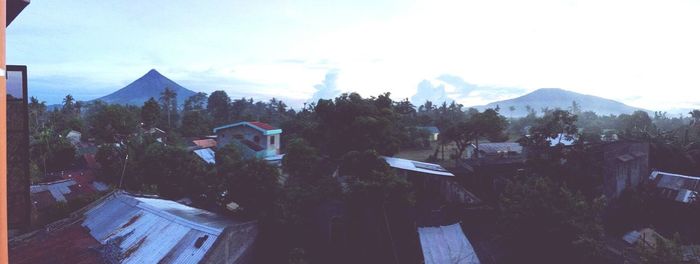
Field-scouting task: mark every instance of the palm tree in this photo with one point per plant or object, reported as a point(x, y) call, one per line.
point(512, 109)
point(695, 114)
point(167, 97)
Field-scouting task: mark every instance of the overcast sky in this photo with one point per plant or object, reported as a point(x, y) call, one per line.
point(643, 53)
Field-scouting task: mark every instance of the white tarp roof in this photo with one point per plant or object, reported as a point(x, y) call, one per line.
point(564, 141)
point(206, 154)
point(446, 244)
point(417, 166)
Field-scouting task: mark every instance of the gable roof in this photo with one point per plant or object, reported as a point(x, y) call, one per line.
point(123, 228)
point(264, 128)
point(446, 244)
point(153, 230)
point(417, 166)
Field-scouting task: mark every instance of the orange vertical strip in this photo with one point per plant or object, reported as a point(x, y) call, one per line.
point(3, 138)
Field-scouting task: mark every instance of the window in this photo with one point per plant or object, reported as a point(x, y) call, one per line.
point(272, 140)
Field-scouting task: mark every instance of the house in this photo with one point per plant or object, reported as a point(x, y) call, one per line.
point(495, 150)
point(65, 187)
point(253, 139)
point(433, 178)
point(157, 133)
point(74, 137)
point(126, 228)
point(625, 164)
point(676, 187)
point(433, 131)
point(446, 244)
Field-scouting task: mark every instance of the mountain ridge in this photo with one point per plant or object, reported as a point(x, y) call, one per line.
point(560, 98)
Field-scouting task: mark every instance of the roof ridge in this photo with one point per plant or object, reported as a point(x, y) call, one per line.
point(169, 216)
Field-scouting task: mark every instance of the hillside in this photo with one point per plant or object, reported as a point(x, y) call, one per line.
point(559, 98)
point(152, 84)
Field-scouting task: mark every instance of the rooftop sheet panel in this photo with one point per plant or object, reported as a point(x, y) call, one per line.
point(446, 244)
point(422, 167)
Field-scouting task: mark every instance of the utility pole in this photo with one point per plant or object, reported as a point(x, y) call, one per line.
point(121, 180)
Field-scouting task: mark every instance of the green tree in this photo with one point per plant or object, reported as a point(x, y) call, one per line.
point(109, 122)
point(150, 113)
point(68, 105)
point(511, 109)
point(51, 151)
point(252, 183)
point(662, 251)
point(300, 159)
point(351, 122)
point(567, 226)
point(195, 102)
point(372, 181)
point(195, 123)
point(695, 114)
point(171, 170)
point(37, 114)
point(219, 107)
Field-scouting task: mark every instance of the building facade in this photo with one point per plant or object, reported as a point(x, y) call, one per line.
point(253, 139)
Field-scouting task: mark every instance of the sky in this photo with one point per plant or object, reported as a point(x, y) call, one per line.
point(643, 53)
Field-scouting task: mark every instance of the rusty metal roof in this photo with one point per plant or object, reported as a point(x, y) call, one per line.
point(205, 143)
point(122, 228)
point(677, 187)
point(71, 244)
point(148, 230)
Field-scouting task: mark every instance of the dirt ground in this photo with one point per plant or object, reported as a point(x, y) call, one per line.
point(423, 154)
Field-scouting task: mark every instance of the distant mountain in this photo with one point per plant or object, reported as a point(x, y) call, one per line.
point(150, 85)
point(559, 98)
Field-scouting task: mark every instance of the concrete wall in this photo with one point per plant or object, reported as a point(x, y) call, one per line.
point(271, 144)
point(234, 246)
point(224, 136)
point(619, 175)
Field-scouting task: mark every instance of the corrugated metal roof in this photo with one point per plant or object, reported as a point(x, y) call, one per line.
point(501, 147)
point(206, 154)
point(446, 244)
point(677, 187)
point(632, 237)
point(152, 230)
point(417, 166)
point(58, 189)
